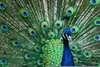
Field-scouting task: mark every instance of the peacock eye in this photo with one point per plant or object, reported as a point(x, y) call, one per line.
point(2, 6)
point(88, 54)
point(74, 29)
point(44, 25)
point(41, 55)
point(39, 62)
point(70, 11)
point(75, 60)
point(61, 39)
point(27, 56)
point(3, 61)
point(74, 47)
point(15, 43)
point(37, 48)
point(51, 35)
point(47, 41)
point(4, 28)
point(97, 37)
point(97, 21)
point(24, 13)
point(58, 41)
point(43, 41)
point(94, 2)
point(58, 24)
point(32, 32)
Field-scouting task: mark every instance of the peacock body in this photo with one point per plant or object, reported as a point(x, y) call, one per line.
point(31, 33)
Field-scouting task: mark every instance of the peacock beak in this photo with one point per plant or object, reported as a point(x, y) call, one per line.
point(69, 38)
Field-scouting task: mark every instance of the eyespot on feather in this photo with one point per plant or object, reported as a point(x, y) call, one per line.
point(94, 2)
point(24, 13)
point(3, 62)
point(2, 6)
point(61, 39)
point(43, 41)
point(74, 47)
point(96, 37)
point(88, 54)
point(58, 24)
point(75, 60)
point(32, 32)
point(70, 11)
point(4, 28)
point(44, 25)
point(37, 48)
point(39, 62)
point(27, 56)
point(15, 43)
point(51, 35)
point(97, 22)
point(74, 29)
point(47, 41)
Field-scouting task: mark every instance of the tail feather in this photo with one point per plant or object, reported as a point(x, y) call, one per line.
point(30, 32)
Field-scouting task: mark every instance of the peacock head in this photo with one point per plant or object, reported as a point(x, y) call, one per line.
point(67, 34)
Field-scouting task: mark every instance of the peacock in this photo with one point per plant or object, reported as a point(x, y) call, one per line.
point(67, 59)
point(40, 33)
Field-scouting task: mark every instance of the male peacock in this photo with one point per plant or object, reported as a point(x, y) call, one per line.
point(30, 32)
point(67, 59)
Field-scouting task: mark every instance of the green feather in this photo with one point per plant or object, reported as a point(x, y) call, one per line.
point(30, 32)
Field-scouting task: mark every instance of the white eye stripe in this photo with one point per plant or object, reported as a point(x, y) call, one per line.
point(66, 35)
point(63, 35)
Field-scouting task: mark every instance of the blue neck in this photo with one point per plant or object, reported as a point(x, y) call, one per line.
point(67, 59)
